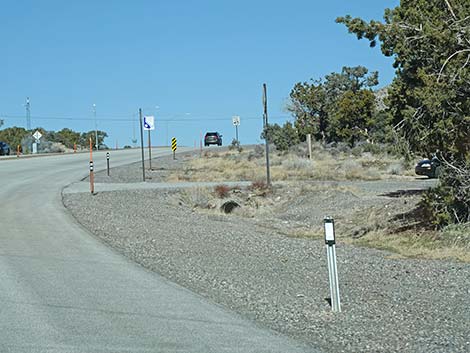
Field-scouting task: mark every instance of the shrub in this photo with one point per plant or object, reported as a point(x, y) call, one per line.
point(449, 202)
point(259, 185)
point(257, 153)
point(235, 145)
point(296, 163)
point(283, 137)
point(222, 191)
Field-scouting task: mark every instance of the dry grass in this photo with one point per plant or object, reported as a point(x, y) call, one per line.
point(380, 228)
point(196, 198)
point(235, 166)
point(428, 245)
point(376, 227)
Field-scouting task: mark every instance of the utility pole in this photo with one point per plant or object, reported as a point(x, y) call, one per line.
point(28, 114)
point(266, 137)
point(96, 126)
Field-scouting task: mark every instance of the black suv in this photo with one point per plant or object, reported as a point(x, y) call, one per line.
point(213, 138)
point(4, 149)
point(428, 167)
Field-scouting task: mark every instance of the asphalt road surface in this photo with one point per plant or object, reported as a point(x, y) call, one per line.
point(61, 290)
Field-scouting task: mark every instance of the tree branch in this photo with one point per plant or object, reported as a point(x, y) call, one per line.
point(450, 9)
point(450, 58)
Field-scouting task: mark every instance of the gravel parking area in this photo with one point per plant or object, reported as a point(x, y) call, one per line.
point(281, 282)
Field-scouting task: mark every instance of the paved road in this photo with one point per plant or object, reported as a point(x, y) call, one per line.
point(61, 290)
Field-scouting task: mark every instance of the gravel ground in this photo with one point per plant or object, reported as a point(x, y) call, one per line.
point(389, 305)
point(162, 167)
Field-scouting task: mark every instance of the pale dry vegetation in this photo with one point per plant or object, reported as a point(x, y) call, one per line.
point(324, 165)
point(397, 228)
point(389, 225)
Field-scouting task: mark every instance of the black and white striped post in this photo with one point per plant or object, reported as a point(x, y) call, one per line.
point(107, 162)
point(330, 242)
point(92, 179)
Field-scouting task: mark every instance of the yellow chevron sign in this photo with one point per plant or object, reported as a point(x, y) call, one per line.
point(173, 144)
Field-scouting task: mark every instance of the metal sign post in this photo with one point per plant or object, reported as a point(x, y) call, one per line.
point(330, 241)
point(142, 143)
point(107, 162)
point(174, 146)
point(236, 123)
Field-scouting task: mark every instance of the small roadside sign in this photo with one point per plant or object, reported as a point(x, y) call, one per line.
point(236, 120)
point(174, 147)
point(149, 123)
point(37, 135)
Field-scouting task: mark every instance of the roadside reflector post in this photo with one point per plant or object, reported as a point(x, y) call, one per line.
point(330, 242)
point(92, 179)
point(107, 161)
point(174, 146)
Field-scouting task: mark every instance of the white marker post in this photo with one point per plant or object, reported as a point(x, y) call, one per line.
point(107, 162)
point(332, 268)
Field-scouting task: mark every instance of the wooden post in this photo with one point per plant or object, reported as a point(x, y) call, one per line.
point(309, 146)
point(266, 134)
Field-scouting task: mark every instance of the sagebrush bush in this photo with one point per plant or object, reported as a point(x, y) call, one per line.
point(449, 202)
point(297, 163)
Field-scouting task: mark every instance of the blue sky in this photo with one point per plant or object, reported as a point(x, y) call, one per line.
point(192, 64)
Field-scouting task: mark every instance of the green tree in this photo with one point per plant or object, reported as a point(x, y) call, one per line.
point(85, 138)
point(67, 137)
point(353, 116)
point(308, 105)
point(320, 107)
point(283, 137)
point(13, 136)
point(430, 42)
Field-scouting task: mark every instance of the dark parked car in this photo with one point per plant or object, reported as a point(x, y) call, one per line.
point(213, 138)
point(428, 167)
point(4, 149)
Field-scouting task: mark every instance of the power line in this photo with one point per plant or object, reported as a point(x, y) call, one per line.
point(130, 119)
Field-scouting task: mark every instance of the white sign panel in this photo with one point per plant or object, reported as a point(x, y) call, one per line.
point(236, 120)
point(37, 135)
point(149, 123)
point(329, 232)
